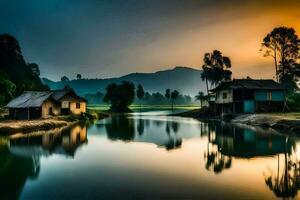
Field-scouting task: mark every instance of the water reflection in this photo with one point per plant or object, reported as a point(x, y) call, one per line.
point(167, 156)
point(285, 182)
point(20, 155)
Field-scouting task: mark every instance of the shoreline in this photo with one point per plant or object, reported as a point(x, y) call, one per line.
point(8, 127)
point(281, 122)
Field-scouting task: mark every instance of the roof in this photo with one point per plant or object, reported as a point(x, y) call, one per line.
point(29, 99)
point(58, 94)
point(254, 84)
point(34, 99)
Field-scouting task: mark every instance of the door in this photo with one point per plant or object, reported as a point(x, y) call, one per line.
point(249, 107)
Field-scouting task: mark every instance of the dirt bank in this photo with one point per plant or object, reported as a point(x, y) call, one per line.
point(282, 122)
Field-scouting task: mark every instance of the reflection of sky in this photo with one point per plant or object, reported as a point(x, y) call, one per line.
point(120, 169)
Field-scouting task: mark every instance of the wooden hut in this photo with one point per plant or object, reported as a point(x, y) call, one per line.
point(33, 105)
point(249, 96)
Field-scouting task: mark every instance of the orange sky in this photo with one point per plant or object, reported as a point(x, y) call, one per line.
point(111, 38)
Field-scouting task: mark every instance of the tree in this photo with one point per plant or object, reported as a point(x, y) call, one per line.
point(24, 76)
point(283, 45)
point(216, 68)
point(7, 89)
point(174, 96)
point(34, 69)
point(120, 96)
point(168, 93)
point(65, 81)
point(78, 76)
point(200, 97)
point(140, 93)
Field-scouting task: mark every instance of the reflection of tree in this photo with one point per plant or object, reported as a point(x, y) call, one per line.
point(120, 128)
point(141, 126)
point(175, 126)
point(14, 171)
point(216, 161)
point(173, 141)
point(285, 183)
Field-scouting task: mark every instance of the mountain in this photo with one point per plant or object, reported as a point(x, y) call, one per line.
point(184, 79)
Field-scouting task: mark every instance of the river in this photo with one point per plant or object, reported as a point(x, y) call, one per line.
point(150, 156)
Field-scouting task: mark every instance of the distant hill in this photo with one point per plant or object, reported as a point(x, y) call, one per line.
point(184, 79)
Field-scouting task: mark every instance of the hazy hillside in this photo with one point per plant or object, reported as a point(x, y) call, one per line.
point(184, 79)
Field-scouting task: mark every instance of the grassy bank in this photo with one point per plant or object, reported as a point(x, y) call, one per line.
point(14, 126)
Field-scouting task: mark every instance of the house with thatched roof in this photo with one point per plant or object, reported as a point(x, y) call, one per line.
point(249, 96)
point(41, 104)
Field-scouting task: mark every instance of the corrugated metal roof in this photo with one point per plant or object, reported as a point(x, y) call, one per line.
point(264, 84)
point(32, 99)
point(29, 99)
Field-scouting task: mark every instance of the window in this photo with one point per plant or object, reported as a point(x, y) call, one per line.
point(224, 95)
point(78, 105)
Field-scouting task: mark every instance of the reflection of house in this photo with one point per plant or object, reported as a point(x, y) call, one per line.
point(249, 96)
point(32, 105)
point(62, 142)
point(240, 142)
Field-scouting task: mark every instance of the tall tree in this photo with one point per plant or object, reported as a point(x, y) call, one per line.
point(283, 45)
point(120, 96)
point(174, 96)
point(7, 89)
point(78, 76)
point(140, 93)
point(216, 68)
point(200, 97)
point(34, 69)
point(168, 93)
point(24, 76)
point(64, 79)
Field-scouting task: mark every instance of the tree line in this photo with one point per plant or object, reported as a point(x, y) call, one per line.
point(121, 96)
point(16, 75)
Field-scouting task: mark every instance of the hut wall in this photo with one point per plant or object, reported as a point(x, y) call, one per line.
point(224, 96)
point(46, 107)
point(77, 110)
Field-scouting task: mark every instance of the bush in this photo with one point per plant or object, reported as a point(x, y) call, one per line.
point(293, 101)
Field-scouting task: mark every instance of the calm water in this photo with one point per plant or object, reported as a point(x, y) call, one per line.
point(150, 157)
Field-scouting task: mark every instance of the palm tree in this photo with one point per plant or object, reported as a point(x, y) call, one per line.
point(200, 97)
point(140, 93)
point(215, 68)
point(174, 96)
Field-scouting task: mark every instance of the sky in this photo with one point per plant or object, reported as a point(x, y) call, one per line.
point(110, 38)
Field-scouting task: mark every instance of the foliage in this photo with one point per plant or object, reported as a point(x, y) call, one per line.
point(293, 101)
point(12, 64)
point(120, 96)
point(79, 76)
point(64, 79)
point(168, 93)
point(140, 93)
point(215, 68)
point(7, 89)
point(283, 45)
point(174, 96)
point(200, 97)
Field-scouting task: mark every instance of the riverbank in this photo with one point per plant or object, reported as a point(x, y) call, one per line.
point(283, 122)
point(25, 126)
